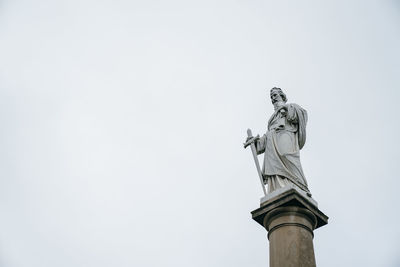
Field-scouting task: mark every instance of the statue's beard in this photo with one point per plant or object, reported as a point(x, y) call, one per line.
point(278, 104)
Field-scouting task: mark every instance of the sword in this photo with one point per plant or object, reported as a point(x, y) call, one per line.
point(254, 150)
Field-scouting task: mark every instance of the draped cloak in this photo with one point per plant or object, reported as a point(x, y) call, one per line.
point(285, 136)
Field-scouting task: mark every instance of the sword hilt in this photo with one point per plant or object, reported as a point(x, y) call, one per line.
point(251, 140)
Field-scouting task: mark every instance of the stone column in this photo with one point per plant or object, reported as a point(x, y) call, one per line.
point(290, 217)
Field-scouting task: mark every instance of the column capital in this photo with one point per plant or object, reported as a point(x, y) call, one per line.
point(289, 200)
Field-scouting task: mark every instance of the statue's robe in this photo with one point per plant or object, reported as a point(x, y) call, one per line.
point(285, 137)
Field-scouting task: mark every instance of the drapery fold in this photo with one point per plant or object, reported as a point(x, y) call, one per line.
point(285, 137)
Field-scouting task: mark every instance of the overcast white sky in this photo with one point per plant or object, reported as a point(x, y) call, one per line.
point(123, 123)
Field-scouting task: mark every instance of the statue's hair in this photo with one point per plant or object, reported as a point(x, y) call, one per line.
point(284, 98)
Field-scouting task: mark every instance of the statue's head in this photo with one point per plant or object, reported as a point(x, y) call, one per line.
point(277, 95)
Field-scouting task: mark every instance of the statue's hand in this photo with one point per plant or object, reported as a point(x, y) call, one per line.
point(283, 111)
point(250, 140)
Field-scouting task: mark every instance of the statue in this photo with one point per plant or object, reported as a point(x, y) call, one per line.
point(281, 144)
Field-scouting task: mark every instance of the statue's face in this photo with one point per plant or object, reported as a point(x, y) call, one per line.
point(276, 97)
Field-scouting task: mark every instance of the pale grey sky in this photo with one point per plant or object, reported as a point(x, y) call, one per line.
point(123, 122)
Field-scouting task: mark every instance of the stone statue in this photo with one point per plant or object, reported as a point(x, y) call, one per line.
point(281, 144)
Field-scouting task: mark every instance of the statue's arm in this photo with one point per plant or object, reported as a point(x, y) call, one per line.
point(298, 115)
point(291, 115)
point(261, 144)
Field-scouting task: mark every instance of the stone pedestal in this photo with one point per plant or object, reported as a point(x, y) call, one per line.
point(290, 217)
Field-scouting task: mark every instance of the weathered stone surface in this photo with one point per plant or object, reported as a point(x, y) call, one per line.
point(290, 197)
point(287, 211)
point(290, 219)
point(282, 190)
point(281, 144)
point(290, 233)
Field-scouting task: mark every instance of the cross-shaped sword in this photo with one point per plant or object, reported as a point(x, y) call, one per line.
point(254, 150)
